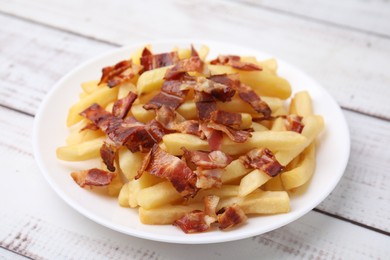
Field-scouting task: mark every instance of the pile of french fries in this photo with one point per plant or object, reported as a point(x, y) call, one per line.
point(253, 190)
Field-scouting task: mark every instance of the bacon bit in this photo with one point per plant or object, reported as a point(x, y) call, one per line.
point(214, 137)
point(93, 177)
point(207, 160)
point(194, 53)
point(164, 99)
point(209, 178)
point(248, 95)
point(262, 159)
point(175, 87)
point(120, 72)
point(165, 165)
point(235, 62)
point(294, 123)
point(210, 205)
point(122, 106)
point(193, 64)
point(238, 136)
point(231, 216)
point(205, 105)
point(128, 132)
point(108, 154)
point(150, 61)
point(231, 119)
point(193, 222)
point(231, 80)
point(173, 121)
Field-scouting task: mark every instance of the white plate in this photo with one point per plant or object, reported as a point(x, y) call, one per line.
point(50, 132)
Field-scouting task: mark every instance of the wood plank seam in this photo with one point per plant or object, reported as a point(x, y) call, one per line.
point(15, 252)
point(17, 110)
point(384, 232)
point(311, 19)
point(28, 20)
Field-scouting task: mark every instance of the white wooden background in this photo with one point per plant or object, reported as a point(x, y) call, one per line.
point(345, 45)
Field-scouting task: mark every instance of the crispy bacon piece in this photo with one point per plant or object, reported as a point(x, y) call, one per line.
point(122, 106)
point(231, 216)
point(178, 87)
point(150, 61)
point(235, 62)
point(262, 159)
point(209, 178)
point(294, 123)
point(214, 137)
point(193, 64)
point(120, 72)
point(128, 132)
point(205, 105)
point(231, 119)
point(164, 99)
point(194, 222)
point(194, 53)
point(165, 165)
point(247, 94)
point(207, 160)
point(108, 154)
point(238, 136)
point(173, 121)
point(93, 177)
point(210, 205)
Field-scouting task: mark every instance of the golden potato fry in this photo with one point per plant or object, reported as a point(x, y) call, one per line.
point(166, 214)
point(136, 56)
point(123, 197)
point(129, 162)
point(263, 82)
point(151, 80)
point(125, 88)
point(302, 172)
point(102, 96)
point(234, 171)
point(80, 152)
point(301, 104)
point(274, 184)
point(157, 195)
point(135, 186)
point(278, 125)
point(224, 191)
point(252, 181)
point(91, 86)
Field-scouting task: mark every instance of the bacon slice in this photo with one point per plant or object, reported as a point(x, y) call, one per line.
point(122, 106)
point(205, 105)
point(120, 72)
point(207, 179)
point(150, 61)
point(193, 222)
point(164, 99)
point(262, 159)
point(93, 177)
point(128, 132)
point(207, 160)
point(108, 154)
point(214, 137)
point(231, 216)
point(247, 94)
point(165, 165)
point(235, 62)
point(193, 64)
point(238, 136)
point(210, 205)
point(231, 119)
point(173, 121)
point(294, 123)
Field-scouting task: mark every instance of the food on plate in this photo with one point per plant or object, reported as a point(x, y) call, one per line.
point(194, 142)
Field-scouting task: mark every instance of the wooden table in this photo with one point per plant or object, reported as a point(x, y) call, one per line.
point(345, 45)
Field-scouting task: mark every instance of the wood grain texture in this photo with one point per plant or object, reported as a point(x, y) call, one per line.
point(31, 64)
point(371, 17)
point(347, 63)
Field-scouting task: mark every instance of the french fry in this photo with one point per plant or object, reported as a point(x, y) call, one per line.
point(261, 202)
point(102, 96)
point(157, 195)
point(135, 186)
point(274, 184)
point(76, 136)
point(303, 172)
point(234, 171)
point(278, 125)
point(91, 86)
point(301, 104)
point(125, 88)
point(257, 127)
point(166, 214)
point(252, 181)
point(225, 191)
point(151, 80)
point(129, 162)
point(123, 197)
point(263, 82)
point(80, 152)
point(275, 141)
point(313, 125)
